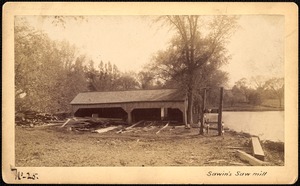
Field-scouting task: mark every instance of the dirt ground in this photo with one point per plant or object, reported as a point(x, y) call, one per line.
point(173, 146)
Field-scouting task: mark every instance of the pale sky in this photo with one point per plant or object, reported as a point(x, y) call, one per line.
point(257, 47)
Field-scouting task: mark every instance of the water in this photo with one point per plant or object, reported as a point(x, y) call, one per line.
point(267, 125)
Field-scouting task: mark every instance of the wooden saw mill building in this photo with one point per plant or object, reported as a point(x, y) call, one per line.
point(133, 105)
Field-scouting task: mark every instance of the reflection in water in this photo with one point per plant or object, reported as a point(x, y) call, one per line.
point(267, 125)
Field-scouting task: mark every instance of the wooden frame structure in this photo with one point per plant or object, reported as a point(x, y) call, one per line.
point(220, 110)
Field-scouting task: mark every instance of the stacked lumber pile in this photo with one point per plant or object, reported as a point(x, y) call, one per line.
point(130, 128)
point(103, 125)
point(34, 118)
point(146, 126)
point(91, 124)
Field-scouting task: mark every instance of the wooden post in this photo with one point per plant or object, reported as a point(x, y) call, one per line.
point(202, 114)
point(162, 113)
point(129, 114)
point(220, 112)
point(129, 117)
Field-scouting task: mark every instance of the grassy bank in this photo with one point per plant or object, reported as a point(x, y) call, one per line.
point(54, 146)
point(248, 107)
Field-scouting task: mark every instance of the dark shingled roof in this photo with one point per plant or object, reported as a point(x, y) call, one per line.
point(129, 96)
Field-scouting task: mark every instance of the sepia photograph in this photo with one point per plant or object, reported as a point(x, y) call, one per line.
point(150, 91)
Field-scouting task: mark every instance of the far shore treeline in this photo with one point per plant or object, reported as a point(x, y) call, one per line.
point(49, 74)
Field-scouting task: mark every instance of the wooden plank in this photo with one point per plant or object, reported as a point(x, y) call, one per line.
point(106, 129)
point(252, 160)
point(211, 117)
point(257, 150)
point(211, 122)
point(120, 131)
point(50, 125)
point(66, 122)
point(162, 128)
point(135, 124)
point(128, 129)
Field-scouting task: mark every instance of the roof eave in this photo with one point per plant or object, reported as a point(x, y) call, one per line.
point(127, 102)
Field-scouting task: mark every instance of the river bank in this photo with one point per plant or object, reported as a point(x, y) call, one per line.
point(173, 146)
point(251, 108)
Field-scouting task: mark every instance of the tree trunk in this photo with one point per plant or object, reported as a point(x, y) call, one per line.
point(280, 102)
point(190, 106)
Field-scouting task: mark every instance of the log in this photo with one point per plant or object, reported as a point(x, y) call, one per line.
point(252, 160)
point(81, 122)
point(257, 150)
point(162, 128)
point(106, 129)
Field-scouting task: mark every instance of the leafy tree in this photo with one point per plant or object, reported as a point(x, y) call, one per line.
point(276, 87)
point(198, 49)
point(107, 77)
point(237, 94)
point(242, 86)
point(255, 97)
point(103, 78)
point(47, 74)
point(146, 79)
point(29, 64)
point(261, 89)
point(72, 82)
point(229, 98)
point(127, 81)
point(91, 75)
